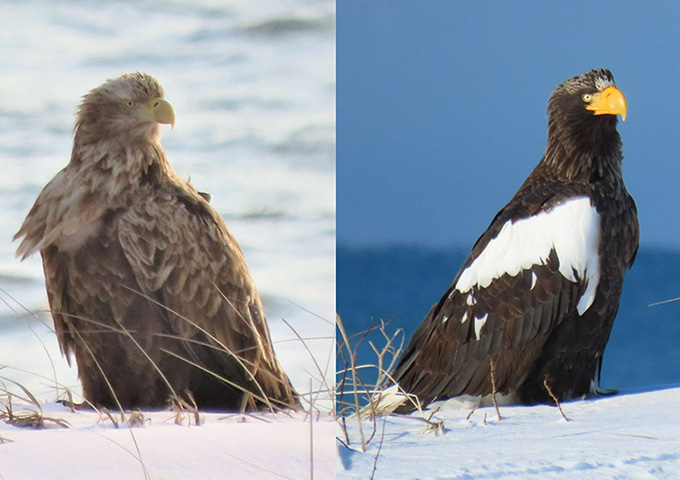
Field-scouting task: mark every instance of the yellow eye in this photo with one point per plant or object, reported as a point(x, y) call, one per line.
point(587, 97)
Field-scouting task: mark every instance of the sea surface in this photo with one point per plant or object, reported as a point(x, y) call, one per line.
point(253, 88)
point(400, 284)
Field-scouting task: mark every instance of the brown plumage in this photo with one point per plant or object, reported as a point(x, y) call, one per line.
point(538, 295)
point(146, 286)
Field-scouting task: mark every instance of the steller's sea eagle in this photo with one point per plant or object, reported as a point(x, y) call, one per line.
point(146, 286)
point(536, 299)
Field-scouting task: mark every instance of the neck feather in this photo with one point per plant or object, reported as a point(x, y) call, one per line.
point(583, 155)
point(116, 164)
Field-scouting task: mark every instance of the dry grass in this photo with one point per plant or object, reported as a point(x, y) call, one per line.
point(27, 418)
point(365, 401)
point(320, 375)
point(184, 408)
point(492, 372)
point(554, 397)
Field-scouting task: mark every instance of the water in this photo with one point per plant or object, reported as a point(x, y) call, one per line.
point(400, 284)
point(253, 87)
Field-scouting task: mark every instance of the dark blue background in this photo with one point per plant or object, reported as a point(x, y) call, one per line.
point(441, 109)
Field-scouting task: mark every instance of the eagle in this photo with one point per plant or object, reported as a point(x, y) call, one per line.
point(147, 288)
point(529, 314)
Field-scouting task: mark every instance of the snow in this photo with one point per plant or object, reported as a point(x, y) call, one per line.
point(630, 435)
point(262, 445)
point(255, 446)
point(224, 446)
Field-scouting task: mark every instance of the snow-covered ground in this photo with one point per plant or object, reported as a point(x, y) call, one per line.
point(633, 435)
point(259, 446)
point(256, 446)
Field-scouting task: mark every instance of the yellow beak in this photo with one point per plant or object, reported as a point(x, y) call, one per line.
point(159, 110)
point(609, 101)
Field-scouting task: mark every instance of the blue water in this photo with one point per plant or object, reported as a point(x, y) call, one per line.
point(400, 284)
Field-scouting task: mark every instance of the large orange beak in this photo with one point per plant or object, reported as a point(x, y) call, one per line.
point(609, 101)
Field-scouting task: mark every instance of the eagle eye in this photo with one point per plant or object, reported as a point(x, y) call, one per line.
point(129, 104)
point(587, 97)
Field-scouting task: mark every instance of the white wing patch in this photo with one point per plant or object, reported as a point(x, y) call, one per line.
point(571, 228)
point(479, 323)
point(471, 300)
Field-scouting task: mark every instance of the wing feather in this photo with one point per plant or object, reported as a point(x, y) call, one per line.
point(506, 317)
point(185, 258)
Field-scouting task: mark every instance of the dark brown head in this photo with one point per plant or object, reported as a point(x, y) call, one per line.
point(130, 106)
point(582, 124)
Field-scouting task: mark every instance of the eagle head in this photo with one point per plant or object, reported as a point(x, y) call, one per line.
point(588, 101)
point(130, 106)
point(582, 119)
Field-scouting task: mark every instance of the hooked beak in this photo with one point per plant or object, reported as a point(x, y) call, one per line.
point(609, 101)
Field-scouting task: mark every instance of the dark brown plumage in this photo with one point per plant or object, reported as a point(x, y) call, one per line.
point(146, 286)
point(538, 294)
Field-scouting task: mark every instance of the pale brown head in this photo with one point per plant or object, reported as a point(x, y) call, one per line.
point(130, 106)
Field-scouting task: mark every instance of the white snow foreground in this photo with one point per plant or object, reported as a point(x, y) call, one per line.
point(257, 446)
point(630, 435)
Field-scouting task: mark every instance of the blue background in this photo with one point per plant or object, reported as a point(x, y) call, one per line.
point(441, 109)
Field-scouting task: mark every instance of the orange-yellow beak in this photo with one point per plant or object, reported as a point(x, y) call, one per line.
point(609, 101)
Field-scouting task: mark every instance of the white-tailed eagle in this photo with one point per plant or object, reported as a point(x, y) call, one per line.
point(147, 288)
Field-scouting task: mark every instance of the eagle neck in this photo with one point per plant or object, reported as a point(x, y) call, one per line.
point(121, 167)
point(583, 156)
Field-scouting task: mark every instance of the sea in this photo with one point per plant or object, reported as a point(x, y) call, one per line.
point(397, 285)
point(253, 87)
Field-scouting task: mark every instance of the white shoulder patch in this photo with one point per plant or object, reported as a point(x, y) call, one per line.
point(571, 228)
